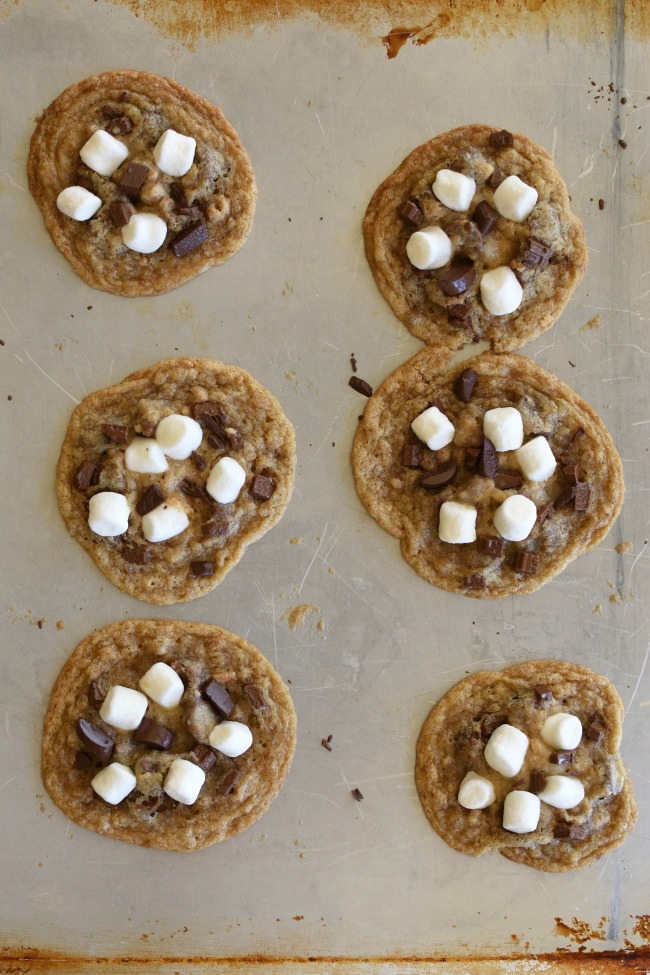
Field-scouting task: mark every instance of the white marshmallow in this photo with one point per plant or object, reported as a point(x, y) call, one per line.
point(174, 153)
point(162, 685)
point(514, 519)
point(183, 781)
point(231, 738)
point(429, 248)
point(536, 459)
point(454, 190)
point(475, 792)
point(501, 293)
point(515, 199)
point(123, 708)
point(506, 750)
point(114, 783)
point(108, 513)
point(433, 428)
point(562, 791)
point(179, 436)
point(457, 523)
point(562, 730)
point(504, 427)
point(103, 153)
point(145, 456)
point(521, 812)
point(226, 480)
point(78, 203)
point(164, 522)
point(144, 233)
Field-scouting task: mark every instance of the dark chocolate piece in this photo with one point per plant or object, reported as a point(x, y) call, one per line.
point(596, 730)
point(154, 734)
point(178, 196)
point(504, 480)
point(534, 253)
point(485, 217)
point(190, 239)
point(582, 492)
point(256, 696)
point(109, 111)
point(527, 562)
point(228, 782)
point(209, 410)
point(360, 385)
point(464, 385)
point(204, 757)
point(199, 462)
point(570, 831)
point(84, 475)
point(490, 723)
point(579, 433)
point(214, 528)
point(353, 362)
point(191, 489)
point(124, 97)
point(194, 212)
point(601, 204)
point(120, 126)
point(219, 698)
point(542, 693)
point(326, 742)
point(441, 477)
point(217, 441)
point(565, 496)
point(235, 438)
point(572, 473)
point(495, 179)
point(133, 177)
point(502, 138)
point(96, 741)
point(460, 313)
point(475, 581)
point(490, 545)
point(83, 761)
point(262, 487)
point(202, 569)
point(357, 794)
point(487, 465)
point(544, 512)
point(411, 455)
point(96, 693)
point(411, 213)
point(472, 457)
point(136, 554)
point(150, 498)
point(456, 279)
point(115, 432)
point(562, 758)
point(120, 213)
point(537, 782)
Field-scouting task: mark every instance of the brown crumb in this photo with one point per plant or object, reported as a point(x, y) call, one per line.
point(598, 609)
point(39, 624)
point(296, 616)
point(623, 547)
point(60, 625)
point(325, 742)
point(622, 143)
point(357, 794)
point(601, 204)
point(297, 540)
point(592, 323)
point(615, 598)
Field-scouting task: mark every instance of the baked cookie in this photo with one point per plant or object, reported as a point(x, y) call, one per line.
point(472, 238)
point(167, 734)
point(492, 473)
point(526, 762)
point(142, 183)
point(166, 477)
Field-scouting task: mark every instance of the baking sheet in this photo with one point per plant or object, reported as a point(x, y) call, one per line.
point(325, 116)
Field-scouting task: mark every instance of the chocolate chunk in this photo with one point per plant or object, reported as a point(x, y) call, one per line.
point(194, 212)
point(565, 496)
point(356, 794)
point(487, 465)
point(326, 744)
point(411, 213)
point(110, 111)
point(475, 581)
point(504, 480)
point(228, 782)
point(360, 386)
point(136, 554)
point(542, 693)
point(150, 498)
point(83, 761)
point(115, 432)
point(96, 693)
point(490, 545)
point(219, 698)
point(562, 758)
point(456, 279)
point(485, 218)
point(537, 782)
point(84, 475)
point(490, 722)
point(199, 462)
point(262, 487)
point(570, 831)
point(502, 138)
point(209, 410)
point(527, 562)
point(572, 473)
point(601, 204)
point(353, 362)
point(534, 253)
point(459, 313)
point(178, 196)
point(582, 492)
point(579, 433)
point(622, 143)
point(191, 489)
point(464, 385)
point(120, 126)
point(124, 97)
point(202, 569)
point(190, 239)
point(204, 757)
point(544, 512)
point(441, 477)
point(495, 179)
point(411, 455)
point(217, 441)
point(133, 177)
point(214, 528)
point(472, 457)
point(256, 696)
point(150, 732)
point(596, 730)
point(120, 213)
point(96, 741)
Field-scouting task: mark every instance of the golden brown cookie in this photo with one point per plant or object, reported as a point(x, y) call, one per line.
point(546, 251)
point(403, 484)
point(212, 665)
point(208, 210)
point(234, 417)
point(452, 743)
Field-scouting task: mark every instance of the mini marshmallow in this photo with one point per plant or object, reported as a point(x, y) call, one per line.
point(429, 248)
point(123, 708)
point(103, 153)
point(145, 456)
point(536, 459)
point(144, 233)
point(179, 436)
point(515, 199)
point(501, 293)
point(562, 731)
point(231, 738)
point(164, 522)
point(108, 514)
point(174, 153)
point(433, 428)
point(506, 750)
point(183, 781)
point(226, 480)
point(78, 203)
point(514, 519)
point(504, 427)
point(562, 791)
point(457, 523)
point(475, 792)
point(521, 812)
point(454, 190)
point(162, 685)
point(114, 783)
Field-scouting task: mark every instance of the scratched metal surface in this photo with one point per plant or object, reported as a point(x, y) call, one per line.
point(325, 118)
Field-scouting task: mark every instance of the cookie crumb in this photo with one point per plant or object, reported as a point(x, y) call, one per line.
point(592, 323)
point(598, 609)
point(296, 616)
point(357, 794)
point(623, 547)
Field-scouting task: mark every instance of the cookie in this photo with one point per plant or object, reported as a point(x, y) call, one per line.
point(166, 477)
point(461, 742)
point(144, 210)
point(517, 476)
point(159, 768)
point(501, 251)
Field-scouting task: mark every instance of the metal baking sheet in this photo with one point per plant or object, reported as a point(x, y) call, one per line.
point(367, 646)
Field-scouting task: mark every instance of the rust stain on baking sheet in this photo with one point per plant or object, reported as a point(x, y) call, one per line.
point(581, 931)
